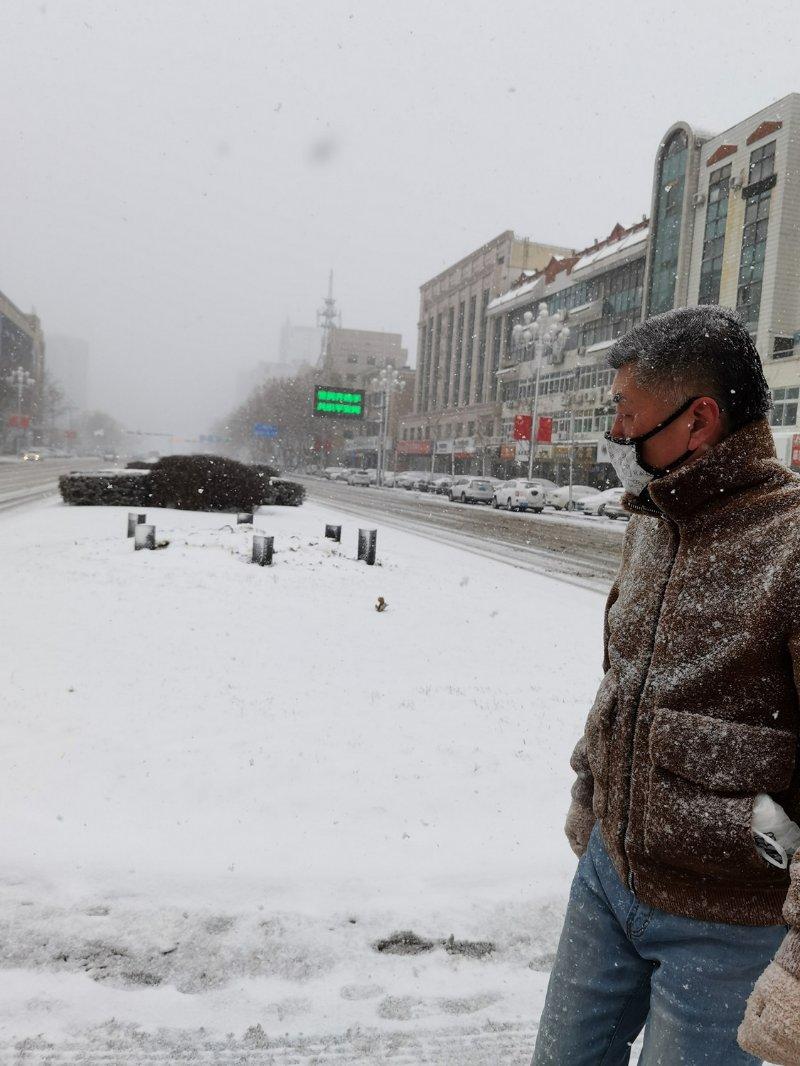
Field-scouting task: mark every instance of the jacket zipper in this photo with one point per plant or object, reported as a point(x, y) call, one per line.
point(676, 533)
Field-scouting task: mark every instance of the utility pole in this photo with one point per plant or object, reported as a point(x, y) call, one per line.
point(387, 382)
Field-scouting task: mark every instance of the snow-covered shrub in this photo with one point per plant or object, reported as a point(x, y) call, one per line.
point(95, 489)
point(204, 483)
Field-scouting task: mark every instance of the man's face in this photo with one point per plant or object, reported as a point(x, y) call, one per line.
point(638, 411)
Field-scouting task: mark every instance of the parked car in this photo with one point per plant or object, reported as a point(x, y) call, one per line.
point(472, 490)
point(336, 473)
point(560, 498)
point(441, 484)
point(455, 485)
point(519, 495)
point(614, 509)
point(424, 482)
point(406, 479)
point(359, 477)
point(388, 479)
point(596, 504)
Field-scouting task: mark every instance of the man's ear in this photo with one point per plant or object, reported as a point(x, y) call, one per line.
point(707, 424)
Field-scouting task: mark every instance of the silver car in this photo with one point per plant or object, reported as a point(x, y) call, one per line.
point(472, 490)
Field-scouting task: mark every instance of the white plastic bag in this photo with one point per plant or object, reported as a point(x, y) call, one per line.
point(776, 836)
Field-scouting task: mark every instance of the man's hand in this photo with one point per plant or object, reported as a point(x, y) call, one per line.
point(771, 1025)
point(578, 827)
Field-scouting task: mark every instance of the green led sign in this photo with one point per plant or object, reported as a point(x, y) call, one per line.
point(338, 403)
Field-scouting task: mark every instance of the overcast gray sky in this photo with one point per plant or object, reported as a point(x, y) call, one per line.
point(178, 176)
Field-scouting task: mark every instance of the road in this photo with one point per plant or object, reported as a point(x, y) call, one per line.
point(579, 550)
point(23, 482)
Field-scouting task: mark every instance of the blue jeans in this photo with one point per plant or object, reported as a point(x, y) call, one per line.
point(621, 963)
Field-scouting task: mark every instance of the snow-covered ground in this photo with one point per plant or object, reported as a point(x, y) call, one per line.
point(224, 785)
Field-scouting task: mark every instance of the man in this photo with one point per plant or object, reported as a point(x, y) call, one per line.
point(674, 913)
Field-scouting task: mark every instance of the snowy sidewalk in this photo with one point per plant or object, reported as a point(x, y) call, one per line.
point(225, 785)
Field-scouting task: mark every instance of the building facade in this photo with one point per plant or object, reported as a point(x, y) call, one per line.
point(457, 354)
point(724, 229)
point(21, 345)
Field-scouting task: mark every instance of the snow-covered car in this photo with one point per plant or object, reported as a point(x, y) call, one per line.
point(423, 482)
point(31, 456)
point(455, 485)
point(336, 473)
point(560, 498)
point(406, 479)
point(616, 510)
point(359, 477)
point(519, 495)
point(596, 504)
point(472, 490)
point(441, 484)
point(388, 479)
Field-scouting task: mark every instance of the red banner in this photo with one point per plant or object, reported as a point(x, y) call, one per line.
point(19, 421)
point(413, 447)
point(522, 427)
point(544, 430)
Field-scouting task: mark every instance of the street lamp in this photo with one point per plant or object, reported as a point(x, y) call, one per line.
point(545, 333)
point(20, 380)
point(387, 382)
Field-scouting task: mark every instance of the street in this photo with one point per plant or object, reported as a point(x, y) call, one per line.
point(579, 550)
point(21, 482)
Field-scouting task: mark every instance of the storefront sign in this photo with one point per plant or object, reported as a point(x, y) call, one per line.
point(444, 447)
point(508, 452)
point(464, 447)
point(413, 447)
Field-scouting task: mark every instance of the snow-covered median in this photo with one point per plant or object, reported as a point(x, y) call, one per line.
point(223, 784)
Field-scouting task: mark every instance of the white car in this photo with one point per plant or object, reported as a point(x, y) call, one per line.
point(359, 477)
point(472, 490)
point(560, 498)
point(406, 479)
point(596, 504)
point(519, 495)
point(336, 473)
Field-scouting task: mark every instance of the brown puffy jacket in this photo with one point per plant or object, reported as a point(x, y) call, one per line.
point(698, 708)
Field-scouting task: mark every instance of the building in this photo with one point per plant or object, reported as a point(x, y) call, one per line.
point(724, 229)
point(299, 344)
point(455, 388)
point(354, 357)
point(68, 366)
point(21, 345)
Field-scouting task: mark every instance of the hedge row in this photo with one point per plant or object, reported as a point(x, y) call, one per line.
point(185, 482)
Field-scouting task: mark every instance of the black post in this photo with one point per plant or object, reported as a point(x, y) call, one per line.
point(367, 545)
point(334, 533)
point(244, 518)
point(262, 549)
point(144, 537)
point(135, 520)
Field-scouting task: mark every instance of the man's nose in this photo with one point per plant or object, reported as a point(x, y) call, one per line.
point(616, 428)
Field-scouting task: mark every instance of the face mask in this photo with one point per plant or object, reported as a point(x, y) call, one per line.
point(625, 454)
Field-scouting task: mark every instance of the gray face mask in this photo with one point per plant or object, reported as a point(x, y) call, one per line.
point(625, 454)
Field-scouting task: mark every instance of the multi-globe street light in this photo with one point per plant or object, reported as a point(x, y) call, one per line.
point(19, 379)
point(387, 381)
point(545, 334)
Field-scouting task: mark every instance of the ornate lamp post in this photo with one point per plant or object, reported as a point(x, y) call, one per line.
point(546, 334)
point(20, 380)
point(387, 382)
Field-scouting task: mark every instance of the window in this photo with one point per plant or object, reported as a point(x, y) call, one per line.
point(782, 347)
point(667, 224)
point(482, 346)
point(459, 342)
point(470, 346)
point(784, 409)
point(762, 163)
point(751, 264)
point(714, 235)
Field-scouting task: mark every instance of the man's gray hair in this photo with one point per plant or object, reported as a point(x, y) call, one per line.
point(697, 351)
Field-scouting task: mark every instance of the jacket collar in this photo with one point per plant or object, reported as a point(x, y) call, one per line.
point(743, 459)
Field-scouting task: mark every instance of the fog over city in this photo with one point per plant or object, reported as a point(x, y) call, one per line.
point(179, 178)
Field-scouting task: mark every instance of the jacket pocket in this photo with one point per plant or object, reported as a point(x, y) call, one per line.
point(598, 741)
point(704, 776)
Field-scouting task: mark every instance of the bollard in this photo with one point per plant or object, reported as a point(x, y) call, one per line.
point(135, 520)
point(367, 544)
point(244, 518)
point(262, 549)
point(144, 536)
point(334, 533)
